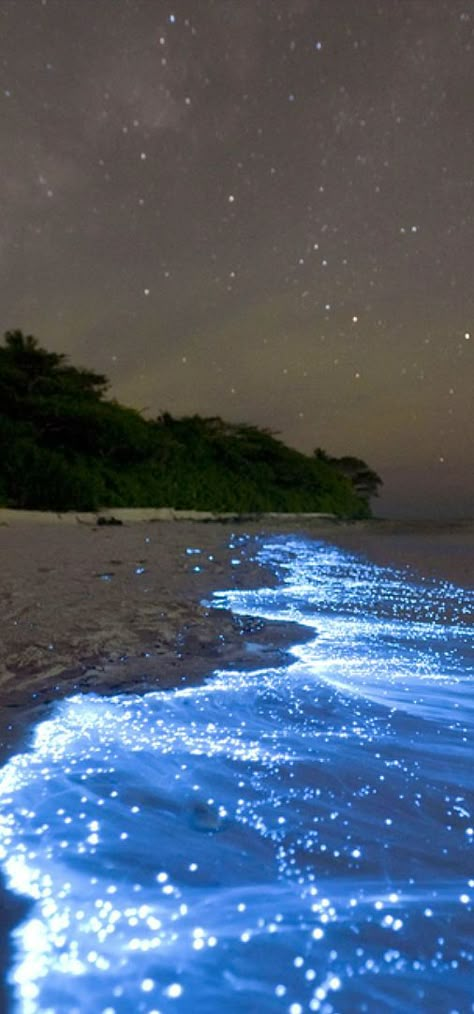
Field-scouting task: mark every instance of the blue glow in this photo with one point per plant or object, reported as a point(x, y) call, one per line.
point(290, 839)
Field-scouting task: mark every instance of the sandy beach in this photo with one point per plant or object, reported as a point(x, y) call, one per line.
point(115, 607)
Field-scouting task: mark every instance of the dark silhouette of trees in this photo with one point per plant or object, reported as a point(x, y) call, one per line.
point(33, 367)
point(65, 445)
point(364, 480)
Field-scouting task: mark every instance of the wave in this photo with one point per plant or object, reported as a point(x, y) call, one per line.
point(288, 839)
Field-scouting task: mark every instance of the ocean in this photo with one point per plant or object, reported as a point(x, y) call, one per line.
point(290, 839)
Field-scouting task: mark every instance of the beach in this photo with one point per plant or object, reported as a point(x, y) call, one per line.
point(111, 606)
point(118, 605)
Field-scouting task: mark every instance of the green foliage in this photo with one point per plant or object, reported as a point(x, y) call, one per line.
point(364, 481)
point(64, 446)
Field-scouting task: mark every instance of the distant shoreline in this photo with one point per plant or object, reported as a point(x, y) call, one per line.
point(150, 515)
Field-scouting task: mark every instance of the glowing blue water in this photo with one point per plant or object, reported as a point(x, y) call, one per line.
point(292, 839)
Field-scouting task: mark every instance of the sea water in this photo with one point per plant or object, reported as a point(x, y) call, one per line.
point(289, 839)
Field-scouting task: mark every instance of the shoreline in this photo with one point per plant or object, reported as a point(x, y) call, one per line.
point(118, 607)
point(113, 609)
point(119, 516)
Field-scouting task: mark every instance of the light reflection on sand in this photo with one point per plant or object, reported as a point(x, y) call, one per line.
point(288, 839)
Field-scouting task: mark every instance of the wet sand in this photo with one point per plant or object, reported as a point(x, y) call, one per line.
point(116, 607)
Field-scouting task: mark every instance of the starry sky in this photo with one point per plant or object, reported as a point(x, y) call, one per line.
point(260, 209)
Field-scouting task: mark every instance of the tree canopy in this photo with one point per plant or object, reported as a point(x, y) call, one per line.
point(363, 479)
point(65, 446)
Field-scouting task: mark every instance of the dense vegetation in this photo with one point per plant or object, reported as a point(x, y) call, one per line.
point(64, 445)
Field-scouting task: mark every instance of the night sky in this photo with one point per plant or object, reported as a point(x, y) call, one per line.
point(258, 209)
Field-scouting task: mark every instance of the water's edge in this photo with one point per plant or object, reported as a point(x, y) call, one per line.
point(266, 639)
point(282, 838)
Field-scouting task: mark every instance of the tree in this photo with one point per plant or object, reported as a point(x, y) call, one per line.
point(24, 361)
point(363, 479)
point(64, 445)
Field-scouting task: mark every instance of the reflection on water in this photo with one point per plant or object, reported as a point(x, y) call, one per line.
point(293, 839)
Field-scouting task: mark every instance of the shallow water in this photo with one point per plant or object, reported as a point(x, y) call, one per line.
point(290, 839)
